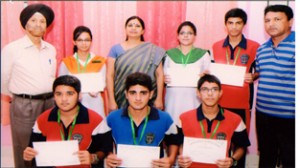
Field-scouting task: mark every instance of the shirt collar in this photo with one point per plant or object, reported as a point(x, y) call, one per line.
point(200, 115)
point(92, 55)
point(28, 43)
point(242, 44)
point(82, 116)
point(289, 38)
point(152, 116)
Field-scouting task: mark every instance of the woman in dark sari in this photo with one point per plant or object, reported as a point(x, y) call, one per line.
point(134, 55)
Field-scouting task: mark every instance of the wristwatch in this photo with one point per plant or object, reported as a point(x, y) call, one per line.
point(234, 162)
point(95, 158)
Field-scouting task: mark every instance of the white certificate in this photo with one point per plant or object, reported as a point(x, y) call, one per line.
point(56, 153)
point(229, 74)
point(137, 156)
point(204, 150)
point(91, 82)
point(183, 76)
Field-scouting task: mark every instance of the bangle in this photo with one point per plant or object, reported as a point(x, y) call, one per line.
point(95, 158)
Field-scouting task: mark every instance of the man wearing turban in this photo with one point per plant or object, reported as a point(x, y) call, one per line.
point(28, 68)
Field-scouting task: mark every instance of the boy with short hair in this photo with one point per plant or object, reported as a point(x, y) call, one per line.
point(145, 124)
point(210, 120)
point(70, 120)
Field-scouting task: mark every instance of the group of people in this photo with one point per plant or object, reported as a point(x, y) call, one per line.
point(48, 108)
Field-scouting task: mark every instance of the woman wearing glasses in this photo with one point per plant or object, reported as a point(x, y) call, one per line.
point(84, 61)
point(182, 68)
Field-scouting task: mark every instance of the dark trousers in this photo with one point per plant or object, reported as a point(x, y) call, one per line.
point(276, 140)
point(242, 114)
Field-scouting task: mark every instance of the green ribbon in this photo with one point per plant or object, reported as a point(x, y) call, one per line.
point(133, 131)
point(236, 56)
point(215, 130)
point(72, 128)
point(85, 64)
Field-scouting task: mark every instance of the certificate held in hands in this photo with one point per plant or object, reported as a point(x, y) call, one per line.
point(91, 82)
point(204, 150)
point(229, 74)
point(137, 156)
point(56, 153)
point(183, 76)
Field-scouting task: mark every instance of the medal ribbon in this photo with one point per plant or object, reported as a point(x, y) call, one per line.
point(215, 130)
point(72, 128)
point(187, 57)
point(143, 130)
point(236, 56)
point(85, 64)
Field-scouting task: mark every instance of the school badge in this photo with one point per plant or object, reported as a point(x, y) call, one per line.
point(77, 137)
point(244, 58)
point(221, 136)
point(149, 138)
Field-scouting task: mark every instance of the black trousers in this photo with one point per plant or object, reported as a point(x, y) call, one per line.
point(276, 140)
point(242, 114)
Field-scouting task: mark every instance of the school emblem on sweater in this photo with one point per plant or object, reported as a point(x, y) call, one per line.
point(149, 138)
point(77, 137)
point(244, 58)
point(221, 136)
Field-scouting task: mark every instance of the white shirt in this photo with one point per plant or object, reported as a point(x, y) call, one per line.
point(25, 69)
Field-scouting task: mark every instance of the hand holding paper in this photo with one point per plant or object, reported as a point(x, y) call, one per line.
point(130, 153)
point(84, 157)
point(29, 153)
point(204, 150)
point(57, 153)
point(184, 161)
point(227, 162)
point(162, 162)
point(91, 82)
point(229, 74)
point(183, 77)
point(113, 161)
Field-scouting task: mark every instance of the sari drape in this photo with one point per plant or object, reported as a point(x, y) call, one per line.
point(143, 58)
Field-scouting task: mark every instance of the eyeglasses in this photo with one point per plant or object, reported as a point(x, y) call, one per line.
point(186, 33)
point(206, 90)
point(83, 40)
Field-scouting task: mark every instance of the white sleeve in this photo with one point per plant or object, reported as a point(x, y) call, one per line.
point(63, 70)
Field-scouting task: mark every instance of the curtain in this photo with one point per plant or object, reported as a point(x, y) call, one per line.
point(106, 19)
point(11, 28)
point(161, 21)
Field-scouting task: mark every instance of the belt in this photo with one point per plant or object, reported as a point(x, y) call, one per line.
point(39, 96)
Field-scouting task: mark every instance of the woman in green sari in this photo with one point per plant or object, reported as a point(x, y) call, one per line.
point(134, 55)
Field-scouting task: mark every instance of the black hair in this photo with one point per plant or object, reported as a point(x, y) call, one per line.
point(138, 78)
point(187, 23)
point(141, 22)
point(67, 80)
point(77, 32)
point(280, 8)
point(208, 78)
point(30, 10)
point(236, 12)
